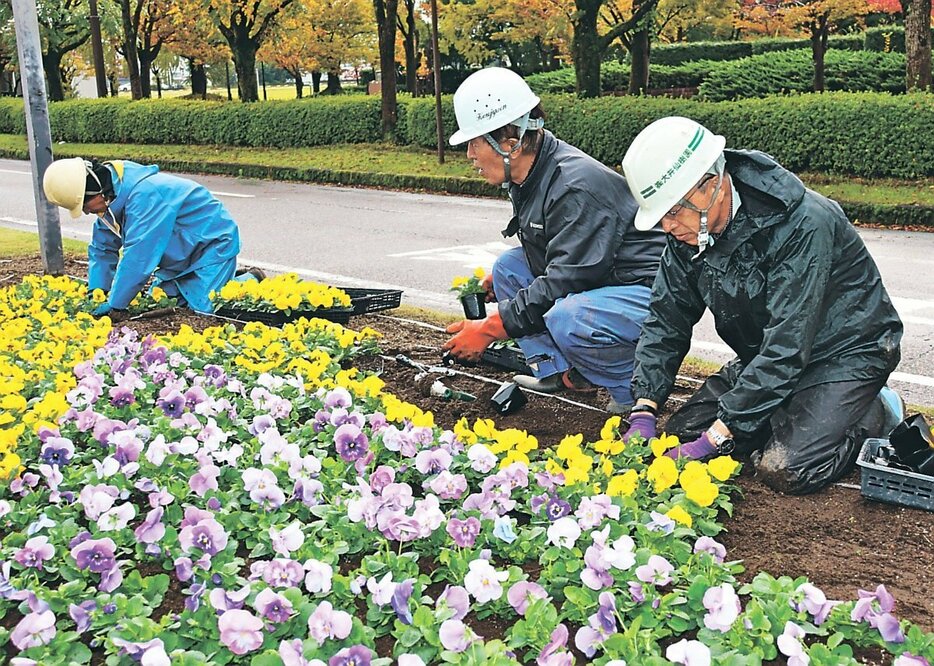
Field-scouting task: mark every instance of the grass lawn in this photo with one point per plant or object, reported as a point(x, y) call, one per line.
point(26, 244)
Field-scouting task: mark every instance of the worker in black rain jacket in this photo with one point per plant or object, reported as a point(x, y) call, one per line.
point(793, 291)
point(575, 293)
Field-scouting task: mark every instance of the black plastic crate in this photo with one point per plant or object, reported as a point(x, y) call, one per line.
point(510, 358)
point(365, 301)
point(885, 483)
point(337, 315)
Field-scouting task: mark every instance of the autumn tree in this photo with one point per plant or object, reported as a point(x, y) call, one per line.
point(917, 44)
point(409, 22)
point(246, 24)
point(817, 18)
point(191, 34)
point(63, 27)
point(321, 35)
point(596, 25)
point(681, 20)
point(386, 12)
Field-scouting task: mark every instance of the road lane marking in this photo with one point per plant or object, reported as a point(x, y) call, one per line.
point(24, 173)
point(235, 195)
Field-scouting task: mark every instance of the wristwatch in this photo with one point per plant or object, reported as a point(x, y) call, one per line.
point(724, 443)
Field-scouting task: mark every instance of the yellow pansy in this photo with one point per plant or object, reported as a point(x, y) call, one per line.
point(663, 443)
point(722, 468)
point(701, 492)
point(610, 428)
point(678, 514)
point(479, 272)
point(569, 447)
point(623, 485)
point(663, 473)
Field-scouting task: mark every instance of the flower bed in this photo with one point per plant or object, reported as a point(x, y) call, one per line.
point(247, 497)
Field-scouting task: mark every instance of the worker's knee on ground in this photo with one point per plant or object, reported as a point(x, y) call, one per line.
point(779, 471)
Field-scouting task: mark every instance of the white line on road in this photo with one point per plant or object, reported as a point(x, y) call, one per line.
point(235, 195)
point(24, 173)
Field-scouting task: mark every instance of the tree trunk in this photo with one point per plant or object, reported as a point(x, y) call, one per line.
point(316, 81)
point(586, 48)
point(918, 44)
point(386, 11)
point(52, 64)
point(145, 82)
point(410, 43)
point(199, 79)
point(819, 32)
point(129, 49)
point(334, 83)
point(112, 82)
point(244, 56)
point(639, 70)
point(299, 84)
point(158, 83)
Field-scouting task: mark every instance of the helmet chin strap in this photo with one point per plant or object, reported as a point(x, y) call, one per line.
point(704, 239)
point(524, 124)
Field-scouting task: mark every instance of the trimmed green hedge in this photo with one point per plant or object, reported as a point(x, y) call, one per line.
point(875, 38)
point(793, 71)
point(614, 77)
point(676, 54)
point(862, 134)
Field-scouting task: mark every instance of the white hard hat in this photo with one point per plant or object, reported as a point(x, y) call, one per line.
point(665, 161)
point(489, 99)
point(64, 184)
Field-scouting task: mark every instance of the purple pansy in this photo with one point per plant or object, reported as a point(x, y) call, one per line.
point(351, 442)
point(357, 655)
point(241, 631)
point(464, 532)
point(33, 630)
point(34, 552)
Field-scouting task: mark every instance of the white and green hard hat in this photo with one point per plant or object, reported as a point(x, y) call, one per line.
point(665, 161)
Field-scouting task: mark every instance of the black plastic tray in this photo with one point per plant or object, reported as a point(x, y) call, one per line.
point(889, 484)
point(510, 358)
point(365, 301)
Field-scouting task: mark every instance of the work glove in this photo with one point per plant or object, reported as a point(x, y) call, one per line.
point(700, 449)
point(487, 285)
point(473, 336)
point(114, 314)
point(102, 309)
point(642, 424)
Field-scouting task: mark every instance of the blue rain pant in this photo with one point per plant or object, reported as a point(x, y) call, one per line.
point(594, 331)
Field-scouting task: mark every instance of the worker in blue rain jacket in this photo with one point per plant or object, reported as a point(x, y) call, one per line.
point(169, 228)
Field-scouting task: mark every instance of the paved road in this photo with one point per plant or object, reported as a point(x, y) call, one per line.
point(418, 242)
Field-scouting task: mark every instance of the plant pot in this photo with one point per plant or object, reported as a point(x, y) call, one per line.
point(474, 306)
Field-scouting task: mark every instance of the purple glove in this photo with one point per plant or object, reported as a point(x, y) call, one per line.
point(700, 449)
point(641, 423)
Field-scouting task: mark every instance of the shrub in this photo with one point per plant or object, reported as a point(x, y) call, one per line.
point(675, 54)
point(863, 134)
point(793, 71)
point(12, 116)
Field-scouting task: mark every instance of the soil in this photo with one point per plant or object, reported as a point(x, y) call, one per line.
point(835, 537)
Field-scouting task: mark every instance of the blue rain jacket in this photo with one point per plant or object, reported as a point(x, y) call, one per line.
point(168, 227)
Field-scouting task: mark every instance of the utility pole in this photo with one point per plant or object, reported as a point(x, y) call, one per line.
point(98, 49)
point(436, 67)
point(38, 132)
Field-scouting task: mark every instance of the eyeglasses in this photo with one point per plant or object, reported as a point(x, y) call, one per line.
point(683, 201)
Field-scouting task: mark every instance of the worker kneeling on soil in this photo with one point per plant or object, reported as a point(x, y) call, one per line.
point(793, 291)
point(170, 228)
point(575, 293)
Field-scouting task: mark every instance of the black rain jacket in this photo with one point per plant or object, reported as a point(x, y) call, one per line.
point(793, 291)
point(574, 217)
